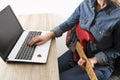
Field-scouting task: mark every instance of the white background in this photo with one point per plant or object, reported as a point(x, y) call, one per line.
point(61, 9)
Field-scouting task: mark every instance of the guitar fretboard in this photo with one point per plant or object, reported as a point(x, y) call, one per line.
point(88, 66)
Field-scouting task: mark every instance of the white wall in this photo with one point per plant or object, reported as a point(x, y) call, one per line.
point(61, 9)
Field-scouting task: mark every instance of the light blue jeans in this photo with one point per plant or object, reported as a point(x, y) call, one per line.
point(69, 70)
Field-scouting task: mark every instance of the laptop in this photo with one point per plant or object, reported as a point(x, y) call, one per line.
point(14, 41)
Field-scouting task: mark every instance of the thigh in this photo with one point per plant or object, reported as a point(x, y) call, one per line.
point(76, 73)
point(103, 72)
point(66, 61)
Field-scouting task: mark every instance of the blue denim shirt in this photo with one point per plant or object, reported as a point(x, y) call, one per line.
point(104, 26)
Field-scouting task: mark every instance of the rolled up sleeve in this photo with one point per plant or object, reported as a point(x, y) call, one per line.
point(68, 24)
point(101, 58)
point(58, 32)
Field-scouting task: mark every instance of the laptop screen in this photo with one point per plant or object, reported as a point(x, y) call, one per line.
point(10, 31)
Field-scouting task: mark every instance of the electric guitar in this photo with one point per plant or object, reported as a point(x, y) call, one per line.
point(80, 46)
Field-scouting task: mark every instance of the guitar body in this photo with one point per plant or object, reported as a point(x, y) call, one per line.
point(83, 35)
point(78, 38)
point(78, 34)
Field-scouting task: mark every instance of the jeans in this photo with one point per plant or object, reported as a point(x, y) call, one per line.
point(69, 70)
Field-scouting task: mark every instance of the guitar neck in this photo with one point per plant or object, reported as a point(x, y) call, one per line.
point(88, 66)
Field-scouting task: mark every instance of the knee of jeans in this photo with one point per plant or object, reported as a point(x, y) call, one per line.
point(103, 74)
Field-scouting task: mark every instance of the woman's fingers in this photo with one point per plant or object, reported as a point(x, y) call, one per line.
point(39, 43)
point(34, 41)
point(82, 63)
point(38, 40)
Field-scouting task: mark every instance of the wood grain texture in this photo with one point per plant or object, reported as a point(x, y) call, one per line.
point(23, 71)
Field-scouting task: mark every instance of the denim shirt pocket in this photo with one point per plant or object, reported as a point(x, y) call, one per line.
point(102, 35)
point(83, 20)
point(97, 33)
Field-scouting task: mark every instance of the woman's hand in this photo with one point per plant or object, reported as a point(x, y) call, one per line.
point(82, 62)
point(38, 40)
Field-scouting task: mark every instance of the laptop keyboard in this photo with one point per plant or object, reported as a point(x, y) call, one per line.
point(26, 52)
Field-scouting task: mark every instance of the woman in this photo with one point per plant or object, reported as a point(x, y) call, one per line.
point(102, 19)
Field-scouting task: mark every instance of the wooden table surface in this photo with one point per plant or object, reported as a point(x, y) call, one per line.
point(28, 71)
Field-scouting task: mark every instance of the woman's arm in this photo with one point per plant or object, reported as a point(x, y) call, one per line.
point(38, 40)
point(68, 24)
point(109, 55)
